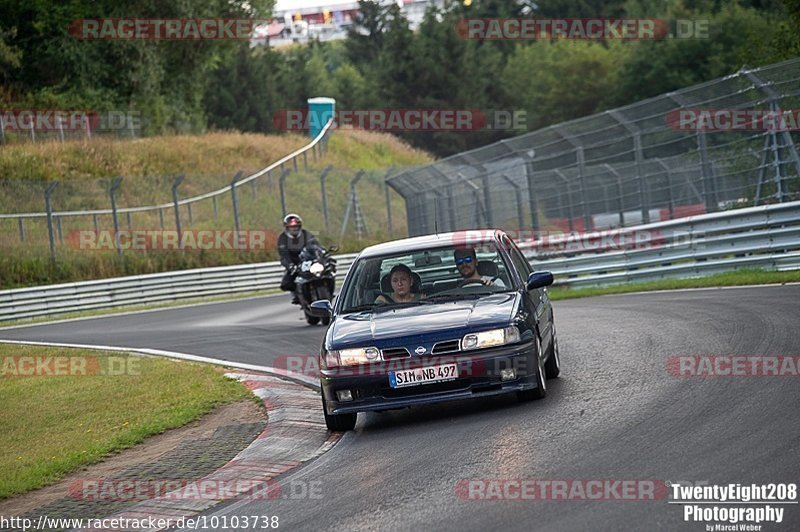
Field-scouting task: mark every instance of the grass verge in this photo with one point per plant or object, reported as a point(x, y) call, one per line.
point(91, 404)
point(736, 278)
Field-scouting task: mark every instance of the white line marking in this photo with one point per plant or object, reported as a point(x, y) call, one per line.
point(292, 375)
point(113, 314)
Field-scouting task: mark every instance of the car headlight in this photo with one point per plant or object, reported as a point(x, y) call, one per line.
point(352, 357)
point(492, 338)
point(317, 268)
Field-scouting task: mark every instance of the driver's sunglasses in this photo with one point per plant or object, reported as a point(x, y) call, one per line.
point(463, 260)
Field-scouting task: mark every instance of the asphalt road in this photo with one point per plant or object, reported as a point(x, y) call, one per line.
point(615, 414)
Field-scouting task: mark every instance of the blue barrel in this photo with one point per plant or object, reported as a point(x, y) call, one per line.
point(320, 110)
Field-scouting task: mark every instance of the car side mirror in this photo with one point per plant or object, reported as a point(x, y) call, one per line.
point(539, 279)
point(321, 308)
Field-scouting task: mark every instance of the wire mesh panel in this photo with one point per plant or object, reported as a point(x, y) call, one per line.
point(727, 143)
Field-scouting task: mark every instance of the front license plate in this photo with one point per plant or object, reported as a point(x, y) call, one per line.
point(414, 377)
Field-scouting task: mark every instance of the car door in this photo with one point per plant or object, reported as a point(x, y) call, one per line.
point(538, 299)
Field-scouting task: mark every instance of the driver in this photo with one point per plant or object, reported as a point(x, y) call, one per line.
point(467, 264)
point(290, 243)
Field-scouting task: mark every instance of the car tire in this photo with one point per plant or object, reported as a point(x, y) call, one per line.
point(338, 422)
point(541, 388)
point(552, 368)
point(312, 320)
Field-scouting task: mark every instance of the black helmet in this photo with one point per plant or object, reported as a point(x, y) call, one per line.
point(292, 224)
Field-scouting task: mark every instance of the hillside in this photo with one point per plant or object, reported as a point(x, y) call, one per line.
point(208, 162)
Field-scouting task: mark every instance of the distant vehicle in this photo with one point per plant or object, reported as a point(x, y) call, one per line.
point(461, 338)
point(315, 280)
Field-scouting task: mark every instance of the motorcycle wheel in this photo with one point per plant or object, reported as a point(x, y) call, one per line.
point(324, 293)
point(312, 320)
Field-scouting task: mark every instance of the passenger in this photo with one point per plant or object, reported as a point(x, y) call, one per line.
point(402, 281)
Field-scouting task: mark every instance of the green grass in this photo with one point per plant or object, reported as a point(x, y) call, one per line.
point(735, 278)
point(53, 425)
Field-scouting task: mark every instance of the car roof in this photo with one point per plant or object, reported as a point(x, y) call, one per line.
point(438, 240)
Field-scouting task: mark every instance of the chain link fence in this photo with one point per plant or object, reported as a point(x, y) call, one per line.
point(662, 158)
point(61, 217)
point(87, 215)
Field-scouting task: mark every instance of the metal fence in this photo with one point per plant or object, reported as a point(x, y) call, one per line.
point(326, 196)
point(632, 165)
point(766, 237)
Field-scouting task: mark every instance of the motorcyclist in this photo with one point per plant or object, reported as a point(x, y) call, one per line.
point(290, 243)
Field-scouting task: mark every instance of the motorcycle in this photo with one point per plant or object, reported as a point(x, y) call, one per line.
point(315, 279)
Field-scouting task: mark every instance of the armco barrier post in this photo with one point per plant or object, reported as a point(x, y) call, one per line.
point(235, 201)
point(670, 198)
point(518, 198)
point(619, 193)
point(571, 223)
point(49, 208)
point(350, 204)
point(282, 186)
point(388, 199)
point(532, 200)
point(175, 185)
point(21, 222)
point(322, 178)
point(115, 184)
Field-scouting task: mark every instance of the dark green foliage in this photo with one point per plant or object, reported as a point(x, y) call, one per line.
point(188, 86)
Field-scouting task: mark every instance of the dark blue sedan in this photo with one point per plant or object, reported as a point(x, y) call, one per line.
point(436, 318)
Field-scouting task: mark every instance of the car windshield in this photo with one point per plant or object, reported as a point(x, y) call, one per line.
point(437, 275)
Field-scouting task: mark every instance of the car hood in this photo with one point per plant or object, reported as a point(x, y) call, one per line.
point(444, 319)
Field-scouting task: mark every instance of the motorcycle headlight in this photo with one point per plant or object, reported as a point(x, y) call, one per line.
point(317, 268)
point(492, 338)
point(353, 357)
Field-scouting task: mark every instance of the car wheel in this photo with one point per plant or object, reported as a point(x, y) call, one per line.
point(338, 422)
point(541, 388)
point(312, 320)
point(326, 320)
point(552, 367)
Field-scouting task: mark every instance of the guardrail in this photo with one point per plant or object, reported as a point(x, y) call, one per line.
point(23, 303)
point(765, 237)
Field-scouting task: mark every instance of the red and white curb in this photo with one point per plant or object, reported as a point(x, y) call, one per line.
point(295, 433)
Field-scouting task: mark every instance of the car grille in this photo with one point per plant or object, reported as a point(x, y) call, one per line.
point(395, 352)
point(448, 346)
